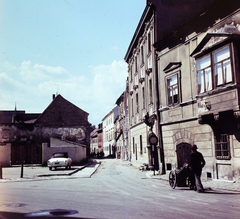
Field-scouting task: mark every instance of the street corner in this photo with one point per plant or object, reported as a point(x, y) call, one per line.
point(88, 170)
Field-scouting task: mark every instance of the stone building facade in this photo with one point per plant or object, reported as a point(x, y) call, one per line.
point(121, 127)
point(198, 72)
point(108, 134)
point(142, 98)
point(183, 85)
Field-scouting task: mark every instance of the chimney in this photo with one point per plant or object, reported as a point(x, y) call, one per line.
point(53, 96)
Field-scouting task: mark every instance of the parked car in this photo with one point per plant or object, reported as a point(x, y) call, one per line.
point(59, 159)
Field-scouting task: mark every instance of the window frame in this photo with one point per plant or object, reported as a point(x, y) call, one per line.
point(136, 64)
point(212, 65)
point(220, 142)
point(173, 103)
point(132, 108)
point(150, 91)
point(142, 54)
point(137, 103)
point(149, 43)
point(143, 97)
point(141, 145)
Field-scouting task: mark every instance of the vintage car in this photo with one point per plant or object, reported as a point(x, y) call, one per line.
point(59, 159)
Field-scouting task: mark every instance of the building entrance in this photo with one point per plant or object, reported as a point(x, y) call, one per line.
point(183, 154)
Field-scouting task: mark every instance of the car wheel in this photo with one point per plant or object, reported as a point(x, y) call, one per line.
point(50, 168)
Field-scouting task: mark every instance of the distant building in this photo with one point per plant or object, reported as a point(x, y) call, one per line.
point(121, 127)
point(25, 133)
point(108, 132)
point(100, 139)
point(94, 142)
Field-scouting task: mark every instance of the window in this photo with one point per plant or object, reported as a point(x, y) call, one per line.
point(222, 66)
point(142, 54)
point(137, 102)
point(150, 91)
point(214, 69)
point(132, 108)
point(172, 87)
point(136, 67)
point(149, 43)
point(204, 74)
point(133, 146)
point(131, 77)
point(141, 148)
point(222, 148)
point(143, 98)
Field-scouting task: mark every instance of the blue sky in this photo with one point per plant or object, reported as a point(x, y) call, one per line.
point(73, 47)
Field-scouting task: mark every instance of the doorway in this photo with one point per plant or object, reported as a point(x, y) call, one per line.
point(183, 154)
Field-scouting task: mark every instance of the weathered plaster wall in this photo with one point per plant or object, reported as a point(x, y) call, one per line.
point(5, 155)
point(191, 133)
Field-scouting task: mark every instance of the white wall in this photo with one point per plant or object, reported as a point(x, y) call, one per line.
point(76, 152)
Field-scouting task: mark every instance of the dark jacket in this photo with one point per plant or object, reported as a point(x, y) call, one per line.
point(197, 161)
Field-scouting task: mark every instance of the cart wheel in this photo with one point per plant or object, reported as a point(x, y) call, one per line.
point(172, 179)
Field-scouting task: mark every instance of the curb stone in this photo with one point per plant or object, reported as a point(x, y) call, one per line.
point(40, 177)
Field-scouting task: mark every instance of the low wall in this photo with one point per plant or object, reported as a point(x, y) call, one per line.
point(5, 155)
point(76, 152)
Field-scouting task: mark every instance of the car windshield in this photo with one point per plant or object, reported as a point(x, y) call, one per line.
point(59, 155)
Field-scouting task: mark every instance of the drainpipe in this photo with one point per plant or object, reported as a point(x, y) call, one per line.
point(160, 142)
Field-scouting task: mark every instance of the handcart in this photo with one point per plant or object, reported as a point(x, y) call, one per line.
point(182, 177)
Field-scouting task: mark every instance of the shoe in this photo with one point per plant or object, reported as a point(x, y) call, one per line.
point(200, 191)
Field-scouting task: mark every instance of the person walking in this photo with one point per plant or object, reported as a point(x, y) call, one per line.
point(196, 164)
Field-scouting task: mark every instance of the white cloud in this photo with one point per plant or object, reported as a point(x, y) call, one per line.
point(32, 86)
point(35, 73)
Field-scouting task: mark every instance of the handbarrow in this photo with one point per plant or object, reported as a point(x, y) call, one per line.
point(182, 177)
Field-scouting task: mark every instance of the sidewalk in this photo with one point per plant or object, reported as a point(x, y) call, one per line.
point(213, 184)
point(39, 172)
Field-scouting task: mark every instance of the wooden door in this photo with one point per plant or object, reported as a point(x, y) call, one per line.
point(183, 154)
point(26, 153)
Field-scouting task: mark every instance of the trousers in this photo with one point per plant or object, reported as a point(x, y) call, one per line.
point(197, 176)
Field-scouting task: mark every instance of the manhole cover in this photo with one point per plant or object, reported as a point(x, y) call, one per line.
point(51, 213)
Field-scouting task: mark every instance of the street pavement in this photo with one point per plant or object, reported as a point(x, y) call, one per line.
point(116, 190)
point(38, 172)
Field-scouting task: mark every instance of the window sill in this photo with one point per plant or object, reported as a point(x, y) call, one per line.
point(217, 90)
point(223, 158)
point(189, 102)
point(164, 108)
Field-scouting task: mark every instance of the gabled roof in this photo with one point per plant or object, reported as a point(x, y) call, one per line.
point(61, 112)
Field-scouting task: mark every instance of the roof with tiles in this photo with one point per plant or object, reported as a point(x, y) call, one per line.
point(61, 112)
